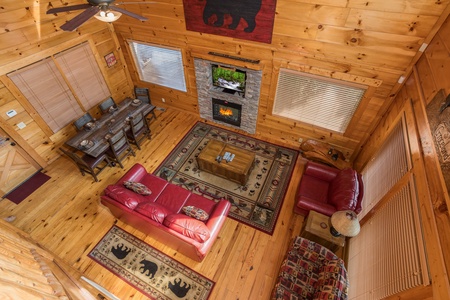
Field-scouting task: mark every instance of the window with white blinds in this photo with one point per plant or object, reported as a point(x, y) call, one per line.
point(386, 168)
point(316, 100)
point(44, 87)
point(81, 70)
point(159, 65)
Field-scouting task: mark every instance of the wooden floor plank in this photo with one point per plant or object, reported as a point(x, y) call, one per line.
point(67, 218)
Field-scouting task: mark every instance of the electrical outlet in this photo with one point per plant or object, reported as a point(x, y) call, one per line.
point(300, 140)
point(163, 100)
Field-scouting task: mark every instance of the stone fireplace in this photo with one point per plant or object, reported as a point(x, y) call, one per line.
point(237, 110)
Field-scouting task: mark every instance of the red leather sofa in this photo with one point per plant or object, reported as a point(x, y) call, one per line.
point(326, 190)
point(160, 214)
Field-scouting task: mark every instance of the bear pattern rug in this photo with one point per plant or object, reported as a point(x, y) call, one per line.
point(148, 270)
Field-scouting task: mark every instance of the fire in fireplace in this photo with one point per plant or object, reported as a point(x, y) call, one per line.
point(227, 112)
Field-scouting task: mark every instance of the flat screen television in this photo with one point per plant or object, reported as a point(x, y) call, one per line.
point(232, 80)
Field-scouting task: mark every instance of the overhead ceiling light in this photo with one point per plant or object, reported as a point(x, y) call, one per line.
point(108, 16)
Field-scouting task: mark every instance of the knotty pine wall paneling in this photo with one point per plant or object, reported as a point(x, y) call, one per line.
point(366, 40)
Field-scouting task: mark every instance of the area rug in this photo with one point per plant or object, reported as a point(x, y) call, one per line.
point(27, 188)
point(258, 202)
point(147, 269)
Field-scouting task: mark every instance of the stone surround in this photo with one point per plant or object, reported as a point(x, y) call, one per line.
point(249, 101)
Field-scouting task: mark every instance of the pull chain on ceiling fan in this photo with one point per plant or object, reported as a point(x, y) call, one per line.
point(103, 10)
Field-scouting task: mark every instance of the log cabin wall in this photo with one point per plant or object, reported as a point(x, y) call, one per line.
point(430, 74)
point(375, 41)
point(372, 42)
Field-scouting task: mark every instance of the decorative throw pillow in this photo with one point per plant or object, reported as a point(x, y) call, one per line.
point(137, 187)
point(196, 213)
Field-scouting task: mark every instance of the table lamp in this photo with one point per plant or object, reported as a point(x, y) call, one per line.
point(344, 222)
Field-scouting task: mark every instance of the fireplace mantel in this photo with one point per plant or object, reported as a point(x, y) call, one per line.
point(206, 92)
point(227, 61)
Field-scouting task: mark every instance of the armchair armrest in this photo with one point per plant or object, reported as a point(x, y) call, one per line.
point(320, 171)
point(320, 207)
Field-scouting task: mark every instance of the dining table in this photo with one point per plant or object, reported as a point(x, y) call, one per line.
point(94, 140)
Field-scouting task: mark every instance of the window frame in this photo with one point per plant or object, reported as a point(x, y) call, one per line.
point(322, 81)
point(137, 64)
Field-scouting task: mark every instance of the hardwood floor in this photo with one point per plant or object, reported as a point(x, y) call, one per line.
point(65, 216)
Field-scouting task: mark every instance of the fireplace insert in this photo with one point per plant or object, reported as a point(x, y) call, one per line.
point(227, 112)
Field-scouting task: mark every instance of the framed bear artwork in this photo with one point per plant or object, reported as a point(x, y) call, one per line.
point(243, 19)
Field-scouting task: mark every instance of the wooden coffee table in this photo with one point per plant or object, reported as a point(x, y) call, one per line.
point(238, 170)
point(316, 228)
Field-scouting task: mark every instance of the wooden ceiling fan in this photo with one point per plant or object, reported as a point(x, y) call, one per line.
point(104, 10)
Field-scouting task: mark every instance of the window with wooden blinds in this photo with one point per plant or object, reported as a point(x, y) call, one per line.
point(79, 66)
point(388, 255)
point(49, 85)
point(386, 168)
point(316, 100)
point(44, 87)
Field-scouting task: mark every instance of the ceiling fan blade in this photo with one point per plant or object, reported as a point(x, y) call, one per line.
point(128, 13)
point(80, 19)
point(67, 8)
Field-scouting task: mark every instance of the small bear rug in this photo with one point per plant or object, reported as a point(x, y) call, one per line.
point(148, 270)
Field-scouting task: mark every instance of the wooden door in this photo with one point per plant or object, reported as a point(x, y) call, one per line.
point(16, 165)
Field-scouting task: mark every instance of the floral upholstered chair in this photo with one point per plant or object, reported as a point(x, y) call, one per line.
point(311, 271)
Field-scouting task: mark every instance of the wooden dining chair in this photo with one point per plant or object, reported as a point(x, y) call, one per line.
point(144, 95)
point(119, 147)
point(83, 120)
point(106, 105)
point(89, 164)
point(139, 130)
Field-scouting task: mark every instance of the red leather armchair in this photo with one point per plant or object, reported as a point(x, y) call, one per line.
point(326, 190)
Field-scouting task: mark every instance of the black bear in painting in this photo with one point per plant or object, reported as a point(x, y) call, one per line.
point(178, 289)
point(245, 9)
point(149, 266)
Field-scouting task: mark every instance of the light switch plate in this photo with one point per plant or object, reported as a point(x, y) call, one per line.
point(21, 125)
point(11, 113)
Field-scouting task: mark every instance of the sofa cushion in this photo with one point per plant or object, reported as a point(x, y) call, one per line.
point(154, 183)
point(173, 197)
point(313, 188)
point(152, 210)
point(137, 187)
point(343, 191)
point(188, 226)
point(124, 196)
point(332, 282)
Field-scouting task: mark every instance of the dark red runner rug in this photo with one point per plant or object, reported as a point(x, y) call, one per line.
point(27, 188)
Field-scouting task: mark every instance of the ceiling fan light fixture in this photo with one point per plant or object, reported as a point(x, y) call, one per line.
point(108, 16)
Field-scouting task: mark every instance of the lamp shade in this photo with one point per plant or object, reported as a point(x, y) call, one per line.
point(108, 15)
point(345, 222)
